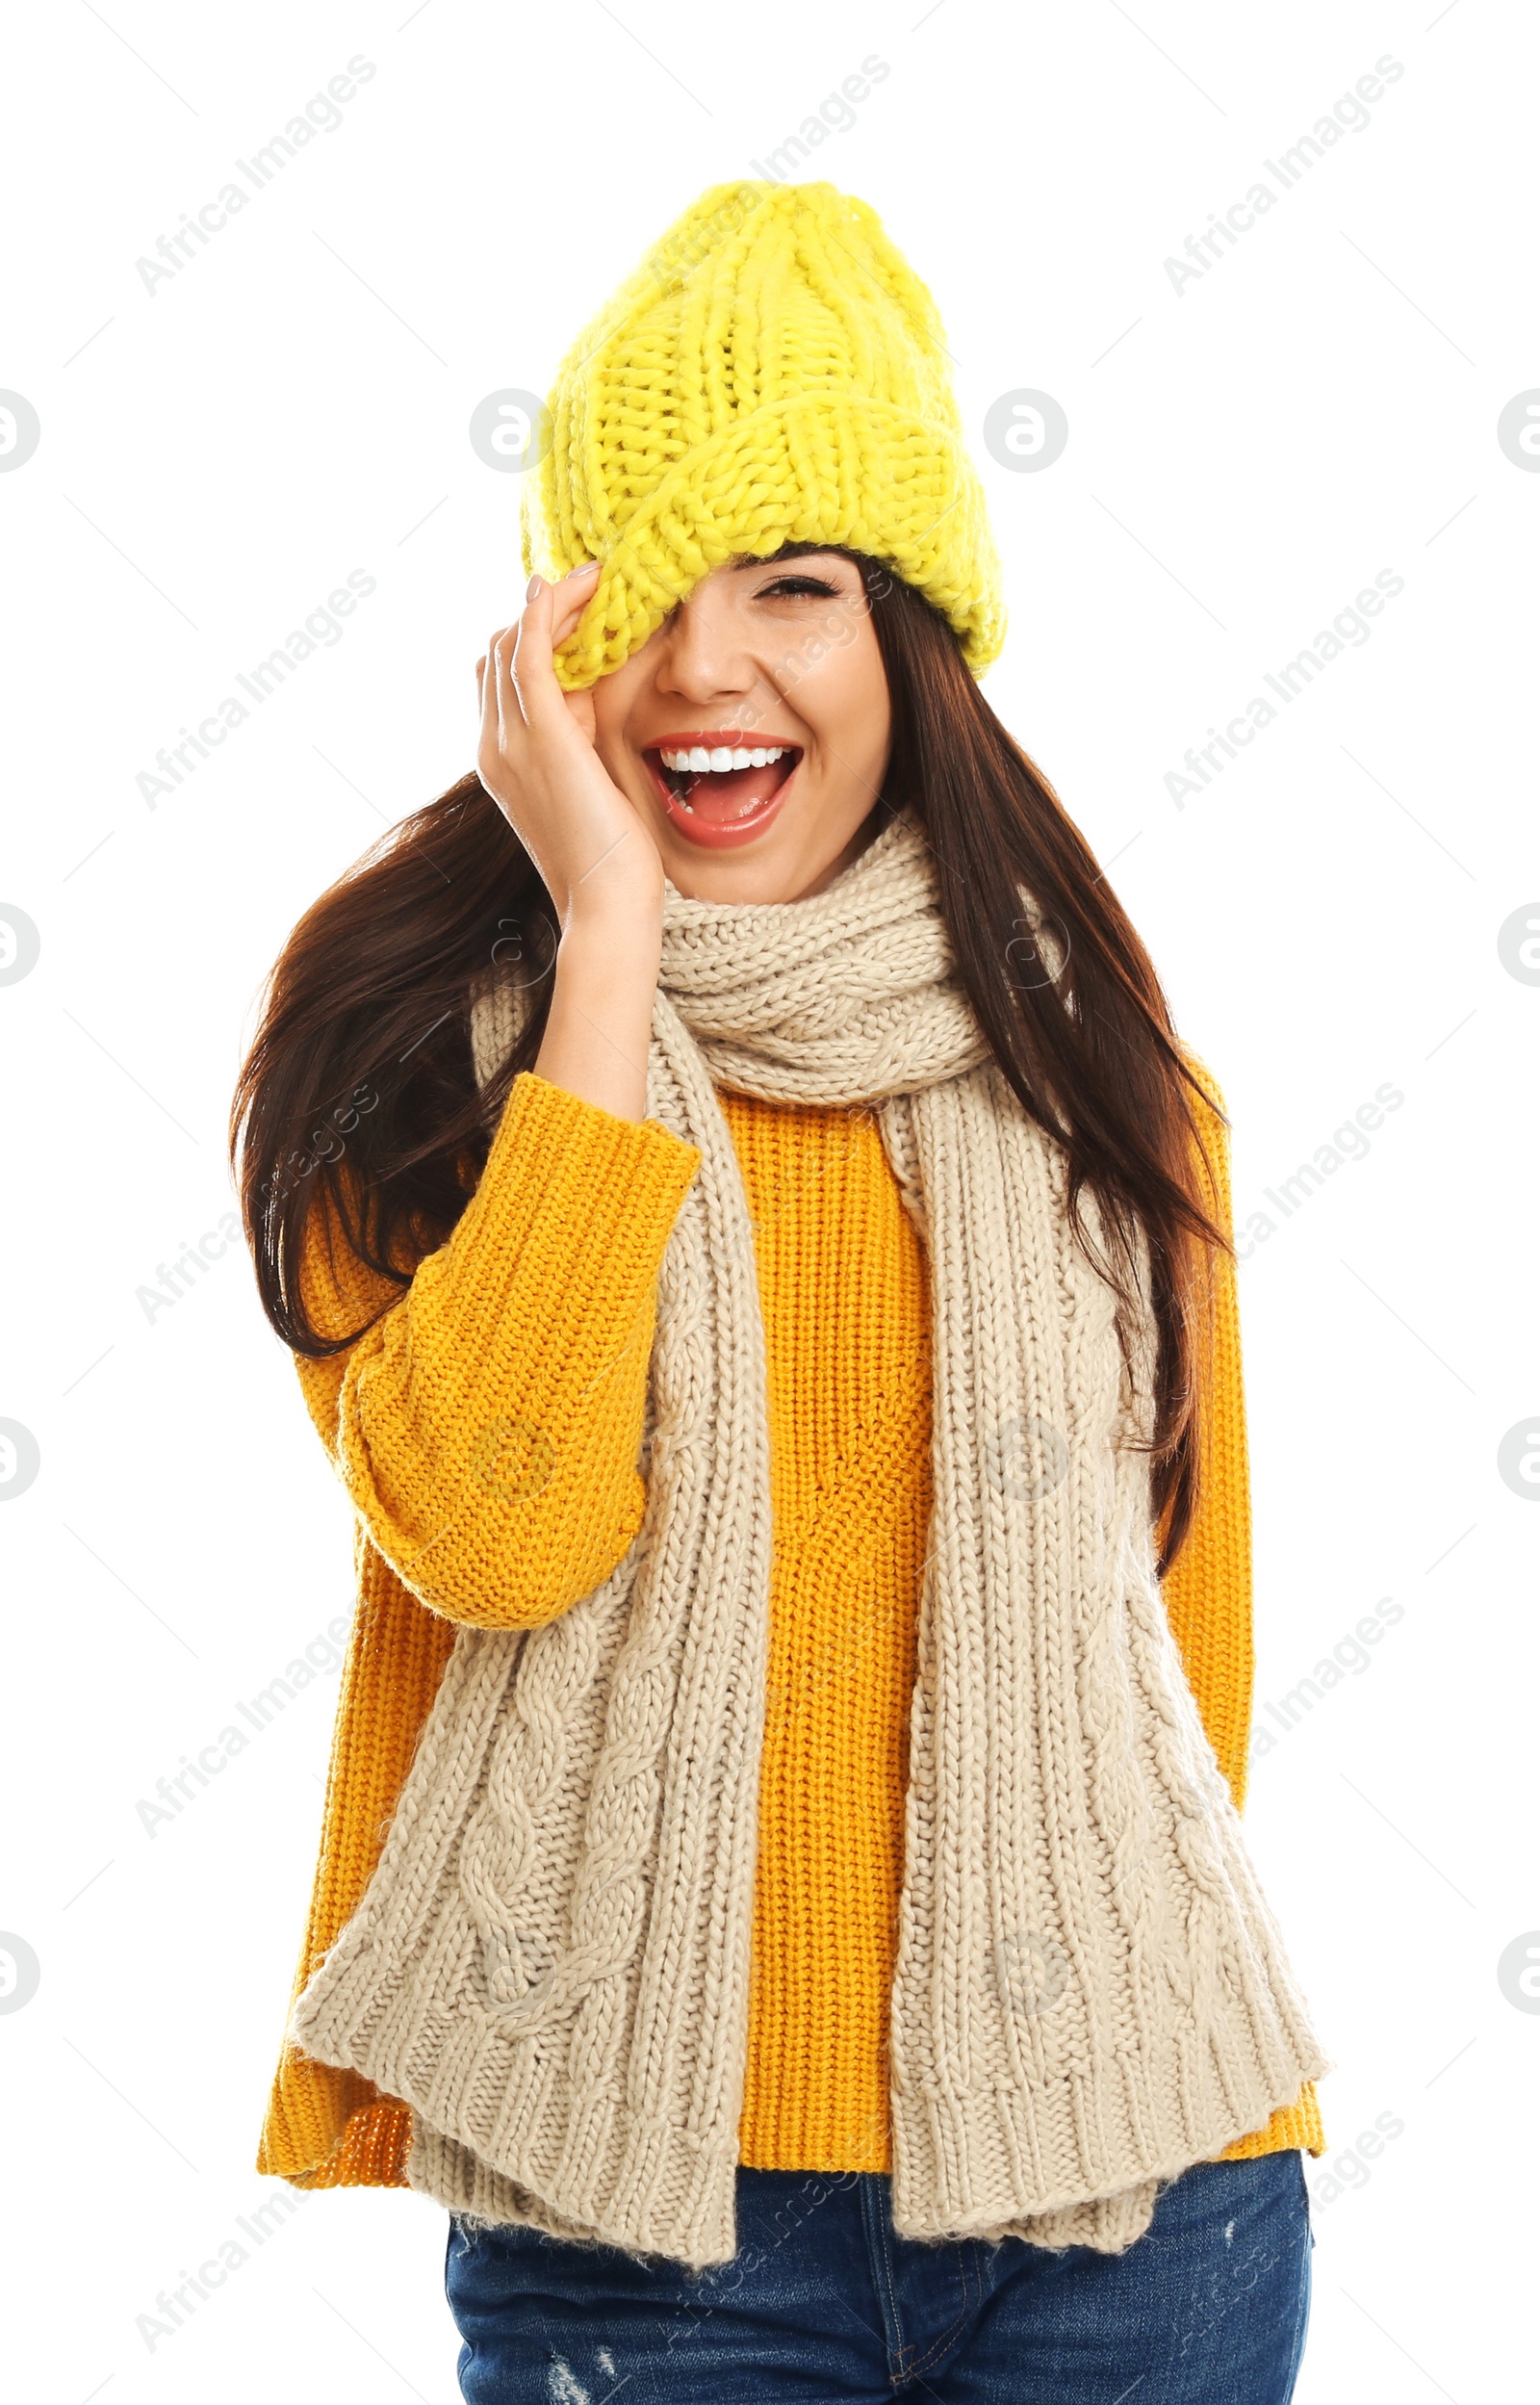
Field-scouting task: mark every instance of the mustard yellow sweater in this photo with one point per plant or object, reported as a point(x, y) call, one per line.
point(539, 1311)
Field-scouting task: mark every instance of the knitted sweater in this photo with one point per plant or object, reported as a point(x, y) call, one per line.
point(583, 1205)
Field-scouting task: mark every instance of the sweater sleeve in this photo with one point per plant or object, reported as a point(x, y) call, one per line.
point(1208, 1588)
point(487, 1426)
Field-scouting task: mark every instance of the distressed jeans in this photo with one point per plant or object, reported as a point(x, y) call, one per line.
point(823, 2302)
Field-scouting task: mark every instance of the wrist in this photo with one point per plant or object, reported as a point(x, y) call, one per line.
point(620, 895)
point(629, 927)
point(599, 1023)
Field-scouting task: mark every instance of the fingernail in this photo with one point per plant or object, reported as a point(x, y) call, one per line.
point(535, 586)
point(590, 568)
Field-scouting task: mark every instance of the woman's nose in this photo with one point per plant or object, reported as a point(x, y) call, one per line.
point(704, 654)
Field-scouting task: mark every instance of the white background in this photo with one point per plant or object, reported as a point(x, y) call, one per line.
point(1245, 456)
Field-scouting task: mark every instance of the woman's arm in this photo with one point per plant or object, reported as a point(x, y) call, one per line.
point(487, 1426)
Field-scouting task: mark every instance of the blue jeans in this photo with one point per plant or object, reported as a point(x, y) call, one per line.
point(824, 2302)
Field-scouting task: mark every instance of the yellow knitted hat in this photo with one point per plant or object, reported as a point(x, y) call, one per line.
point(772, 373)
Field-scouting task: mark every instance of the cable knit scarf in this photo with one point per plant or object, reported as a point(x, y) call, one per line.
point(551, 1965)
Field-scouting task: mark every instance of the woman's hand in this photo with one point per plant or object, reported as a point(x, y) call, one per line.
point(591, 845)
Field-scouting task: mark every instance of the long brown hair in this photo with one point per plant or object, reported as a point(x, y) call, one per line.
point(360, 1079)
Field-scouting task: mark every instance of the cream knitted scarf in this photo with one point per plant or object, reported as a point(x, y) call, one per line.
point(551, 1965)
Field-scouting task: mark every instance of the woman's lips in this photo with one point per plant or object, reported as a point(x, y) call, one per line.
point(720, 808)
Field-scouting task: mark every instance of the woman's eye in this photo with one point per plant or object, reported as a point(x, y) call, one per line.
point(788, 586)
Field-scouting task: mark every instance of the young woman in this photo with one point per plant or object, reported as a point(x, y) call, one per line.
point(756, 1254)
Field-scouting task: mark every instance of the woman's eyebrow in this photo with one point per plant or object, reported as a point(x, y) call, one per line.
point(780, 560)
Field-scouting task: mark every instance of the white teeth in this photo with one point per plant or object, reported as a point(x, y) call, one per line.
point(698, 762)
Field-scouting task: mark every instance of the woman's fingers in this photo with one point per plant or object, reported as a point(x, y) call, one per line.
point(486, 699)
point(572, 595)
point(549, 616)
point(537, 757)
point(504, 693)
point(581, 709)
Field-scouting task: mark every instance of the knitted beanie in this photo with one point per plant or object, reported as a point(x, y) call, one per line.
point(773, 372)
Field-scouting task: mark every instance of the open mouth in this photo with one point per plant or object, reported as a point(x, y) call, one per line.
point(717, 789)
